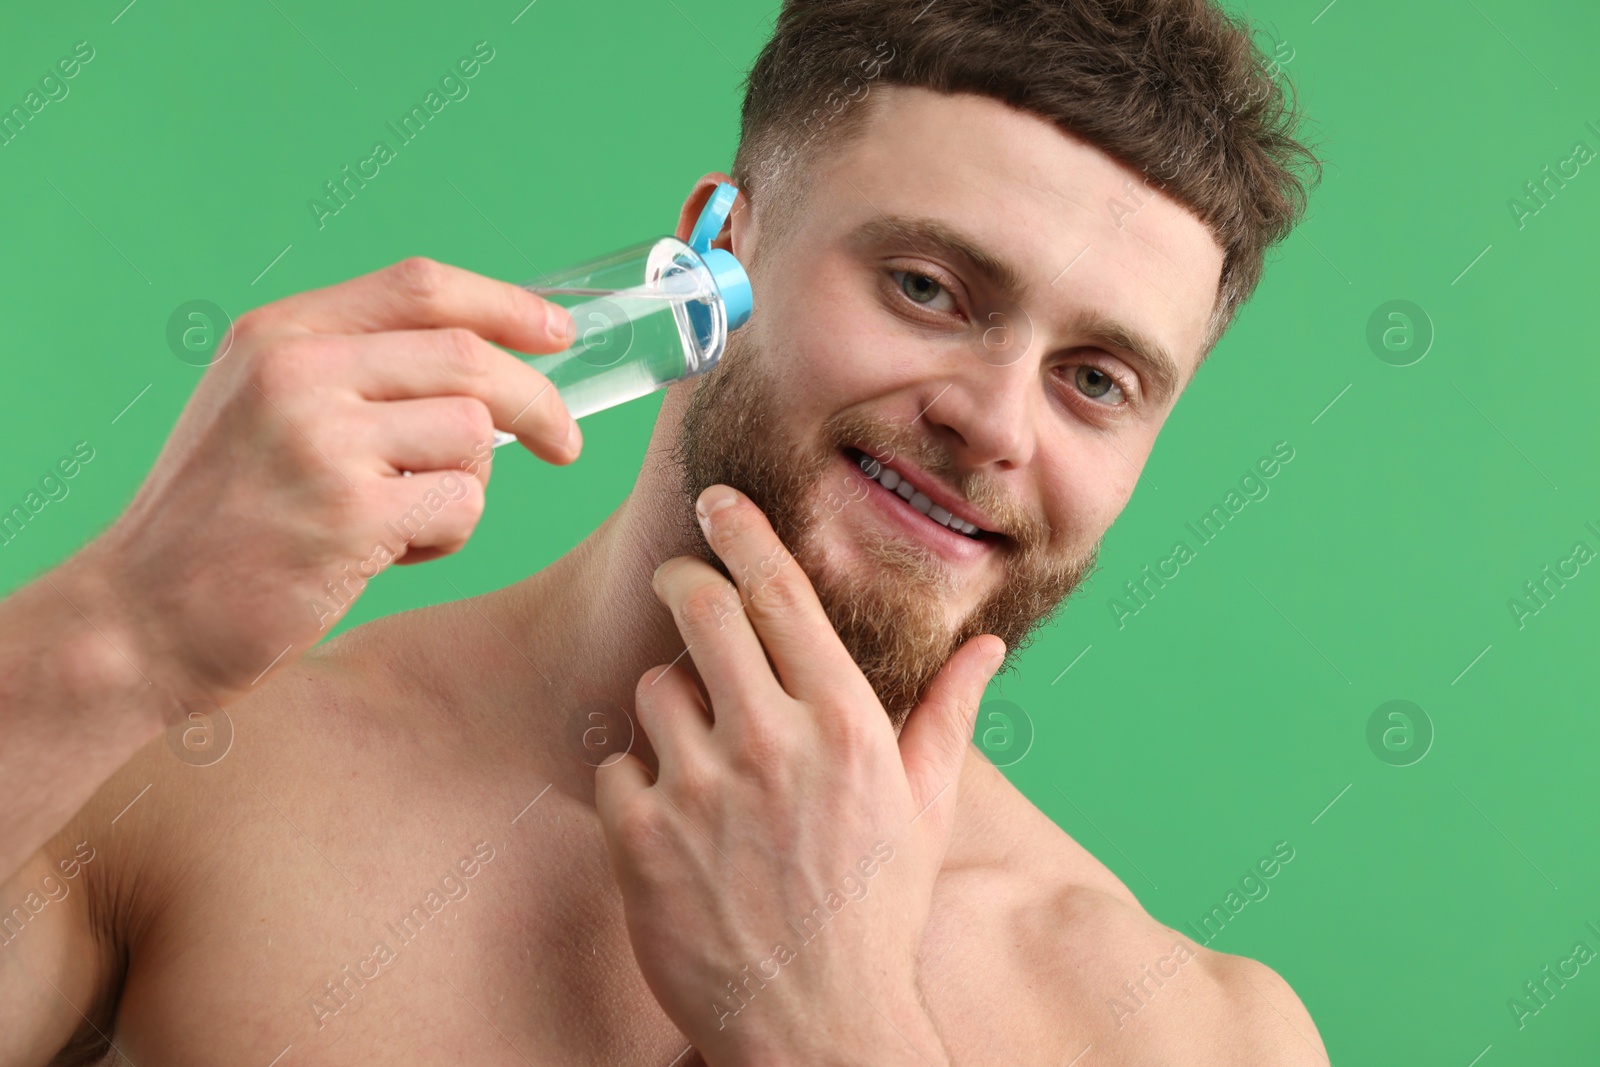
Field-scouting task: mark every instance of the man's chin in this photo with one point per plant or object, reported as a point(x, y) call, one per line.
point(894, 623)
point(897, 576)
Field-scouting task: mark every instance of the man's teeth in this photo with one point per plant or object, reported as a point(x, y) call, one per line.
point(908, 492)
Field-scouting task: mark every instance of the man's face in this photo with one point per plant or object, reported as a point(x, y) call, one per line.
point(998, 400)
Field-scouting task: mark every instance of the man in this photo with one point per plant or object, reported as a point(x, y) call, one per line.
point(987, 275)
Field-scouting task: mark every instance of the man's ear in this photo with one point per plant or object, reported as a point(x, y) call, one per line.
point(696, 203)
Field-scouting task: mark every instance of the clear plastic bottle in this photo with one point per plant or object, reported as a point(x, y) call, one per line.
point(647, 316)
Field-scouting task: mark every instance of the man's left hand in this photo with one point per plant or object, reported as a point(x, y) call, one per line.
point(777, 873)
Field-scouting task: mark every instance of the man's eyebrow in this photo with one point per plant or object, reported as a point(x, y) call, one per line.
point(1158, 364)
point(916, 230)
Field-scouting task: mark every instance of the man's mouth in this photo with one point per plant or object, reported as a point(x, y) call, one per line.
point(914, 497)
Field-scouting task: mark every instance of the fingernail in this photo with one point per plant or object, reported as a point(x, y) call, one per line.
point(559, 323)
point(574, 437)
point(714, 499)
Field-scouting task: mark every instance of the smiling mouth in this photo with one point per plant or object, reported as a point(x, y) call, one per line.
point(913, 498)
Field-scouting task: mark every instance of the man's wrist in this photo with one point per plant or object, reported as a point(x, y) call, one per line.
point(99, 660)
point(74, 705)
point(871, 1032)
point(910, 1040)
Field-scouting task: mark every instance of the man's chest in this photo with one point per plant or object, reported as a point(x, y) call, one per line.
point(448, 922)
point(516, 963)
point(479, 948)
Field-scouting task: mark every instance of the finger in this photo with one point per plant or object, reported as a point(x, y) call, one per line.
point(619, 777)
point(420, 293)
point(779, 599)
point(412, 364)
point(717, 633)
point(437, 434)
point(934, 740)
point(673, 714)
point(430, 514)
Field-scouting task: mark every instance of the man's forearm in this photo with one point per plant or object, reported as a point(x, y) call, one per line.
point(75, 701)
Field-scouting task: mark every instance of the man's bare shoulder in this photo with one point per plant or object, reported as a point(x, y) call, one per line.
point(1105, 980)
point(409, 675)
point(346, 715)
point(1156, 996)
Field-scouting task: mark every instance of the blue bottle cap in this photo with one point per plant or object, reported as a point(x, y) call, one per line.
point(732, 281)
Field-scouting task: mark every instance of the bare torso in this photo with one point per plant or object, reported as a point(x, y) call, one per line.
point(386, 867)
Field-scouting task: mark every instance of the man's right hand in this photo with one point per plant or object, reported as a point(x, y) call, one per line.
point(284, 471)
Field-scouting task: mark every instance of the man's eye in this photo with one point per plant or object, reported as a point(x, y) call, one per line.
point(1096, 383)
point(923, 290)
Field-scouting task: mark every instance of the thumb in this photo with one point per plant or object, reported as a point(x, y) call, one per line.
point(933, 743)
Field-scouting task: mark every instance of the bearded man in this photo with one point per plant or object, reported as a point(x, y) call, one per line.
point(702, 790)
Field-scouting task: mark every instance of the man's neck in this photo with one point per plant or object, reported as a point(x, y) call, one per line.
point(591, 621)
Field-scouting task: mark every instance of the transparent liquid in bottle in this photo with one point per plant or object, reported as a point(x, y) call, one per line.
point(646, 316)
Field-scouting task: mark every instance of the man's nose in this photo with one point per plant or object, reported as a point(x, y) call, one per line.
point(990, 404)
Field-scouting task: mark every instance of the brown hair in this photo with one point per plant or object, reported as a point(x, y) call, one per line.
point(1173, 89)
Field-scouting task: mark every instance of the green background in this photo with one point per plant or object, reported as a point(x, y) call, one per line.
point(1231, 712)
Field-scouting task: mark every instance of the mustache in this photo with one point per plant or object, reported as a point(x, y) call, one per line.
point(883, 438)
point(891, 613)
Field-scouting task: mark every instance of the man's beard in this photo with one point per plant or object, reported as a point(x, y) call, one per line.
point(891, 619)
